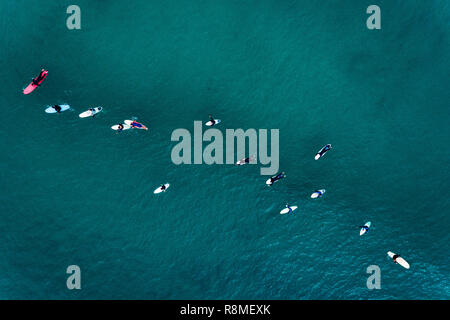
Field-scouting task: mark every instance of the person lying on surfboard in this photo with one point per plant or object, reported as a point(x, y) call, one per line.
point(394, 258)
point(246, 160)
point(57, 108)
point(322, 152)
point(213, 122)
point(120, 127)
point(39, 78)
point(137, 125)
point(277, 177)
point(287, 206)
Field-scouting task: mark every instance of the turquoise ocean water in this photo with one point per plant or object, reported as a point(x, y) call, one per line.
point(75, 192)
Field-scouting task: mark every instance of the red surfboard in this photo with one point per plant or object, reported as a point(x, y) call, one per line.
point(39, 80)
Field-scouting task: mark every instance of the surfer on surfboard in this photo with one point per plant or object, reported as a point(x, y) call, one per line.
point(322, 151)
point(318, 193)
point(277, 177)
point(398, 259)
point(37, 81)
point(57, 108)
point(91, 112)
point(121, 127)
point(137, 125)
point(246, 160)
point(213, 122)
point(394, 258)
point(162, 188)
point(288, 207)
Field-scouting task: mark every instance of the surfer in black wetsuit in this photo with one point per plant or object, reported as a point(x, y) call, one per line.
point(243, 161)
point(325, 149)
point(250, 159)
point(163, 187)
point(120, 128)
point(395, 257)
point(57, 108)
point(277, 177)
point(38, 78)
point(213, 122)
point(365, 228)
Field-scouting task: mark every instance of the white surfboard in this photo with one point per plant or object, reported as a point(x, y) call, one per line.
point(362, 231)
point(317, 193)
point(210, 124)
point(241, 162)
point(159, 190)
point(286, 210)
point(399, 260)
point(51, 109)
point(125, 127)
point(90, 113)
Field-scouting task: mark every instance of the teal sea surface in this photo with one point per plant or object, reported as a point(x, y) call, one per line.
point(74, 192)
